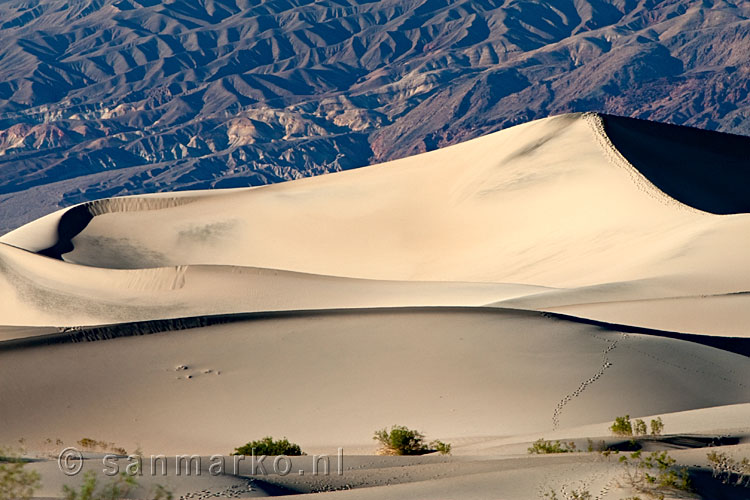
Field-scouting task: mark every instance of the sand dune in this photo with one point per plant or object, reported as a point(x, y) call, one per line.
point(552, 203)
point(684, 305)
point(452, 373)
point(676, 163)
point(191, 94)
point(40, 291)
point(533, 282)
point(548, 203)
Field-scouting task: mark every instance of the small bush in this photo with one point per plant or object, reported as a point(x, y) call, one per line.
point(542, 447)
point(622, 426)
point(581, 495)
point(639, 427)
point(574, 494)
point(96, 445)
point(90, 489)
point(657, 426)
point(267, 446)
point(601, 447)
point(441, 447)
point(119, 488)
point(93, 444)
point(654, 473)
point(729, 469)
point(16, 483)
point(401, 440)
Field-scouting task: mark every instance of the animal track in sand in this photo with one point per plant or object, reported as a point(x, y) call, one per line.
point(608, 486)
point(567, 399)
point(233, 491)
point(195, 373)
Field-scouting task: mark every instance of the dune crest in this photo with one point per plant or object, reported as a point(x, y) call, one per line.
point(409, 219)
point(553, 204)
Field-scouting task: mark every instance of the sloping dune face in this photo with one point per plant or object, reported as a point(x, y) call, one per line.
point(433, 274)
point(549, 203)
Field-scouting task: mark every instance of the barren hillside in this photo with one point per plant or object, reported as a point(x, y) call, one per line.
point(107, 97)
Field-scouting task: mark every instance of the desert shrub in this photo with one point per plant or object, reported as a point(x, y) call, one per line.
point(600, 447)
point(96, 445)
point(730, 470)
point(16, 483)
point(118, 488)
point(654, 473)
point(639, 427)
point(269, 446)
point(401, 440)
point(574, 494)
point(622, 426)
point(91, 490)
point(657, 426)
point(541, 447)
point(441, 447)
point(90, 444)
point(580, 495)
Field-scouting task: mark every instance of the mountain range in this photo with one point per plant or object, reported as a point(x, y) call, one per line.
point(109, 97)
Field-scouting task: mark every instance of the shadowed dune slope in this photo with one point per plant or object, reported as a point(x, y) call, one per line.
point(707, 170)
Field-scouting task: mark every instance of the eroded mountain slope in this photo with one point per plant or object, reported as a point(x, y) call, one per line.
point(105, 97)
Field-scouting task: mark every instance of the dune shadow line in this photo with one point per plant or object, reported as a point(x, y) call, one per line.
point(735, 345)
point(72, 222)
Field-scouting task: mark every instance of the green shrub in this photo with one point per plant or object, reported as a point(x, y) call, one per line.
point(16, 483)
point(599, 446)
point(581, 495)
point(401, 440)
point(90, 489)
point(574, 494)
point(622, 426)
point(117, 489)
point(441, 447)
point(654, 473)
point(95, 445)
point(267, 446)
point(639, 427)
point(541, 447)
point(657, 426)
point(729, 469)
